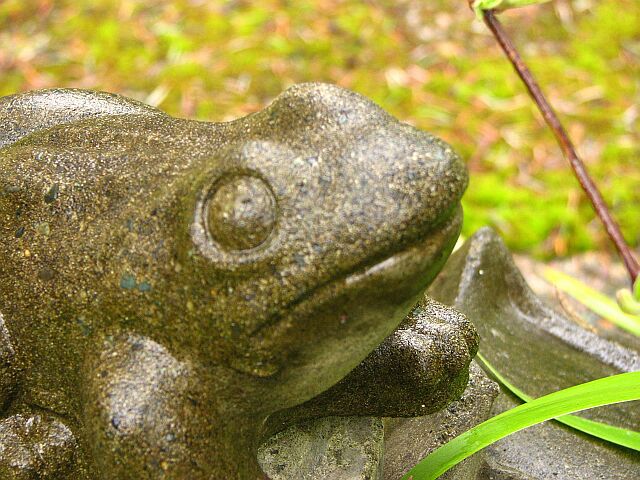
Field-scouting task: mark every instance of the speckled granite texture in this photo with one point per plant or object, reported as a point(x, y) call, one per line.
point(174, 292)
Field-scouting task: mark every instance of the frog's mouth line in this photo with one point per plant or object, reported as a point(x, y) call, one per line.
point(424, 257)
point(409, 270)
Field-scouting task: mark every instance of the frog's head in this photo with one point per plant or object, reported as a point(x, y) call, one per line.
point(286, 245)
point(318, 229)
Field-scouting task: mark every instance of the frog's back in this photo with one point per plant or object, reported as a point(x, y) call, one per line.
point(73, 162)
point(57, 176)
point(75, 193)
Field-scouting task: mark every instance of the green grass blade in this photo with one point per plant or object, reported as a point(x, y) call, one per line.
point(610, 433)
point(627, 302)
point(617, 388)
point(594, 300)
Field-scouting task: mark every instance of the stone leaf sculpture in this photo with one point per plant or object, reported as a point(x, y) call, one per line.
point(174, 292)
point(534, 346)
point(540, 351)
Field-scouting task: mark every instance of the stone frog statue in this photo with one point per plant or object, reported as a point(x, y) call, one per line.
point(173, 292)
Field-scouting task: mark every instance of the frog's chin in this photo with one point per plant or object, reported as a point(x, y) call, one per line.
point(336, 326)
point(392, 279)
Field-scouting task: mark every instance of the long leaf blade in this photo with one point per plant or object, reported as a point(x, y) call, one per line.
point(619, 436)
point(617, 388)
point(594, 300)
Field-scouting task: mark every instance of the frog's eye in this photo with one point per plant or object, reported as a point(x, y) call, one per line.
point(240, 213)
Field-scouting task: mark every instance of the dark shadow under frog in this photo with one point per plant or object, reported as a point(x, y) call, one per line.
point(173, 291)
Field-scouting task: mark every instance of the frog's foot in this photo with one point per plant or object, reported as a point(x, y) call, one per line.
point(417, 370)
point(35, 446)
point(424, 363)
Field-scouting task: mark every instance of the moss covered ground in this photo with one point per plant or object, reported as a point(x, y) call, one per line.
point(428, 62)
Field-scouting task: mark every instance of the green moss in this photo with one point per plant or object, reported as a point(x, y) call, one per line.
point(423, 61)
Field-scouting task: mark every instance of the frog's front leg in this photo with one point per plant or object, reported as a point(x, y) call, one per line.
point(421, 367)
point(151, 416)
point(137, 401)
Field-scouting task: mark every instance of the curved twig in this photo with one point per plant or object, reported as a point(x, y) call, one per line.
point(552, 120)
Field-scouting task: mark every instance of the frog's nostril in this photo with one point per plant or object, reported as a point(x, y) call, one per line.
point(241, 213)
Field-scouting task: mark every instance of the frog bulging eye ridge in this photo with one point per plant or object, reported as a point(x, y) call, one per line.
point(240, 213)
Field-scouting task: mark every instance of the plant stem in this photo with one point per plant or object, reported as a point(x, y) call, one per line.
point(588, 185)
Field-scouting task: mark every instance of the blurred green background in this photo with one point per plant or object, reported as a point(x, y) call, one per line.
point(428, 62)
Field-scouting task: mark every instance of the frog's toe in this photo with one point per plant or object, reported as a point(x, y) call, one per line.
point(423, 365)
point(442, 322)
point(35, 446)
point(428, 356)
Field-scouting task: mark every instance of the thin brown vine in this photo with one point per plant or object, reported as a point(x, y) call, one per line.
point(552, 120)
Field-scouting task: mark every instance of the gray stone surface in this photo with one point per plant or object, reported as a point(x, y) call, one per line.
point(332, 448)
point(352, 448)
point(408, 440)
point(539, 351)
point(602, 271)
point(553, 451)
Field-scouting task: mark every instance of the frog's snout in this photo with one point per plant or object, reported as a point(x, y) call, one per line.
point(423, 177)
point(388, 176)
